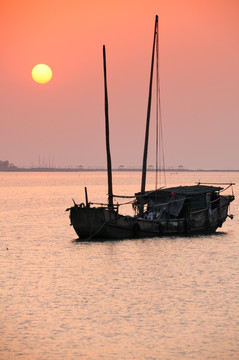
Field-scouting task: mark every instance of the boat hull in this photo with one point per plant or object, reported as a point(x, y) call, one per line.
point(92, 223)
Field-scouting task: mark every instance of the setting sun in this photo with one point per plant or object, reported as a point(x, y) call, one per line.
point(41, 73)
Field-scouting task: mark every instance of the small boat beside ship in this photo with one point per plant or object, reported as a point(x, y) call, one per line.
point(200, 208)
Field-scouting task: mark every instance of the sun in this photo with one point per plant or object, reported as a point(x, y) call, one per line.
point(41, 73)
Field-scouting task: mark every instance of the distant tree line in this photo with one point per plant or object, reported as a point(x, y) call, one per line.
point(6, 165)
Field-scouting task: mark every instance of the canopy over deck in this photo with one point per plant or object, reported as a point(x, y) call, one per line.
point(187, 191)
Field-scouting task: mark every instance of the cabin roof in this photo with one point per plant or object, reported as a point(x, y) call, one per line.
point(193, 190)
point(186, 190)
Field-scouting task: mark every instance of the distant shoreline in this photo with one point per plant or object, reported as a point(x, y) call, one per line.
point(174, 171)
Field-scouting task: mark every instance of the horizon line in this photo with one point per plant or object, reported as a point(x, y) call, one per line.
point(83, 169)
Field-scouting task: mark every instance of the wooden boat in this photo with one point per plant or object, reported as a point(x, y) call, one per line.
point(171, 211)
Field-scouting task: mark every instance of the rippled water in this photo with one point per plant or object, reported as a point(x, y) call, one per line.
point(167, 298)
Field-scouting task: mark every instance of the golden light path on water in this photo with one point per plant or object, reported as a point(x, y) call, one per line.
point(167, 298)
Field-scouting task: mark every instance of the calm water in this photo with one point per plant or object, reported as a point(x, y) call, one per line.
point(167, 298)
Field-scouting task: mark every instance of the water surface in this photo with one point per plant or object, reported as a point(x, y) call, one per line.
point(168, 298)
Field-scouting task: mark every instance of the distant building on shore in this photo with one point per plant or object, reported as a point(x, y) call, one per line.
point(6, 165)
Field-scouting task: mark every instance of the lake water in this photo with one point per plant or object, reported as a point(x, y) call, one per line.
point(159, 298)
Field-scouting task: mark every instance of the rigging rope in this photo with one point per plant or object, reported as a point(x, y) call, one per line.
point(157, 111)
point(159, 127)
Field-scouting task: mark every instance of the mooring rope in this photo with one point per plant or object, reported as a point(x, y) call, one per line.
point(91, 236)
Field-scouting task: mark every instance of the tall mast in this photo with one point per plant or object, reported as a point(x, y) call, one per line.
point(109, 170)
point(144, 168)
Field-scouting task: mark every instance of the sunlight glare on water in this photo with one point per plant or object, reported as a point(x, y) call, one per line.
point(162, 298)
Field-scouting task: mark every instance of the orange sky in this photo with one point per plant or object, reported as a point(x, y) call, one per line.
point(63, 121)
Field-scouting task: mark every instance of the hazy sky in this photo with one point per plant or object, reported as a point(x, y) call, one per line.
point(63, 121)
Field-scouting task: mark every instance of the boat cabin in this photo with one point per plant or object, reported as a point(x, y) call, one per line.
point(176, 202)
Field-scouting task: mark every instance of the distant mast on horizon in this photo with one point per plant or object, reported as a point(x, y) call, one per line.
point(43, 165)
